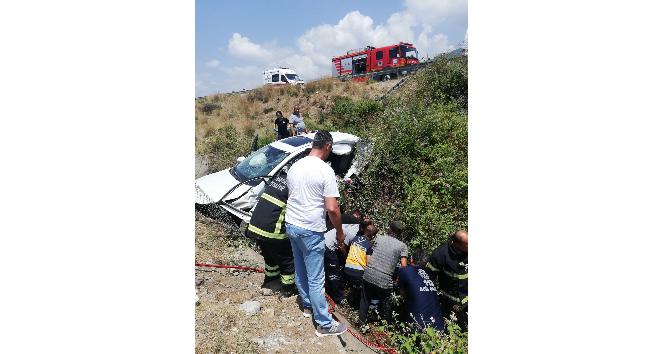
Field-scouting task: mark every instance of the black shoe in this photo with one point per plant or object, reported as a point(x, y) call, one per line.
point(271, 283)
point(288, 290)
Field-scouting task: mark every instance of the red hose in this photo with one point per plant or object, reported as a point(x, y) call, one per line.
point(329, 300)
point(258, 270)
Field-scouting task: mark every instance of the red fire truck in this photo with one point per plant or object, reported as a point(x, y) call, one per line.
point(382, 63)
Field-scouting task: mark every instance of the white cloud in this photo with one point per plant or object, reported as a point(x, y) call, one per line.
point(416, 23)
point(244, 48)
point(428, 45)
point(432, 12)
point(213, 63)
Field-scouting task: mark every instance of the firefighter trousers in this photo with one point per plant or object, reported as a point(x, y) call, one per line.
point(334, 277)
point(279, 262)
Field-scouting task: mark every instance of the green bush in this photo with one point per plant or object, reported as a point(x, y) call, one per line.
point(223, 146)
point(418, 170)
point(355, 114)
point(411, 339)
point(445, 80)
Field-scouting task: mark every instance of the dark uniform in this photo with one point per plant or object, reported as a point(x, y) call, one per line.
point(267, 227)
point(452, 269)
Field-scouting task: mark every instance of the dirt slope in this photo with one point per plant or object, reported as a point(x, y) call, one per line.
point(223, 327)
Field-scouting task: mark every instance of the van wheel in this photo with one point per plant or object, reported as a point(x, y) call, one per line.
point(386, 77)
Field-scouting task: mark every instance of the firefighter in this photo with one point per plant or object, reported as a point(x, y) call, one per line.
point(450, 262)
point(267, 228)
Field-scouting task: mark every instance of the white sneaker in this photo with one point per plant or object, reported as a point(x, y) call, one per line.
point(334, 330)
point(306, 312)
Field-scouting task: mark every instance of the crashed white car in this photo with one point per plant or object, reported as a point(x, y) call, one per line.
point(235, 190)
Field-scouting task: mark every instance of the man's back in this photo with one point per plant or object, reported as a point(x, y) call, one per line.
point(386, 254)
point(310, 180)
point(421, 296)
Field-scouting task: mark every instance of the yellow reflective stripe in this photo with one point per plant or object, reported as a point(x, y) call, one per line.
point(274, 200)
point(456, 276)
point(280, 221)
point(266, 234)
point(271, 274)
point(267, 267)
point(454, 298)
point(288, 279)
point(432, 267)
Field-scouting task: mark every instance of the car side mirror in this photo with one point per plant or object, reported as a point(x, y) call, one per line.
point(240, 159)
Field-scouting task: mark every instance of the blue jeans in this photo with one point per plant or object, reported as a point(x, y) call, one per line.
point(308, 251)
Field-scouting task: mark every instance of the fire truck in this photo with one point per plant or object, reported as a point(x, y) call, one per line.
point(382, 63)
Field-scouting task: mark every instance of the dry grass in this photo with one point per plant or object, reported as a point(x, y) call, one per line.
point(254, 112)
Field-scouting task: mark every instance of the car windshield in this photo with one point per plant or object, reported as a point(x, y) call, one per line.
point(260, 163)
point(292, 77)
point(409, 52)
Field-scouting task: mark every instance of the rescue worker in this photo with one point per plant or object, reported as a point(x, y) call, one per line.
point(335, 255)
point(268, 229)
point(359, 255)
point(377, 282)
point(419, 293)
point(450, 262)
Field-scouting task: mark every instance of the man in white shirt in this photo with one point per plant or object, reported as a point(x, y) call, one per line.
point(297, 122)
point(313, 191)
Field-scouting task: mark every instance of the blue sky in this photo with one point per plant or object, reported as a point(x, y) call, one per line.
point(237, 40)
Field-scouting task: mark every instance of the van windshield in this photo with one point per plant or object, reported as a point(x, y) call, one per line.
point(260, 163)
point(292, 77)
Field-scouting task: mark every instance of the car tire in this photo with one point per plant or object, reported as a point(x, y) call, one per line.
point(386, 77)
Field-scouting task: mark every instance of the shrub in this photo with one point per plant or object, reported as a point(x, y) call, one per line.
point(267, 110)
point(411, 339)
point(445, 80)
point(418, 171)
point(208, 108)
point(262, 94)
point(223, 146)
point(349, 113)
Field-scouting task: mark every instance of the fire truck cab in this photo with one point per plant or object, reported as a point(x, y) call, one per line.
point(381, 63)
point(281, 76)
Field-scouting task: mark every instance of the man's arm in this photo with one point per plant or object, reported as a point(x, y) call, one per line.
point(332, 208)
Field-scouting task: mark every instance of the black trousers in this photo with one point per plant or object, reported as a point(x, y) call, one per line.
point(371, 292)
point(334, 277)
point(279, 262)
point(460, 311)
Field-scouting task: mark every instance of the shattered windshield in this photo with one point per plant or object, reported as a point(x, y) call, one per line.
point(259, 163)
point(292, 77)
point(409, 52)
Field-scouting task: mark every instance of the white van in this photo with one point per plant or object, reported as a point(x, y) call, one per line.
point(281, 76)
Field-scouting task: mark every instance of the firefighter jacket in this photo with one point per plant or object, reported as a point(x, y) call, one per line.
point(267, 219)
point(452, 269)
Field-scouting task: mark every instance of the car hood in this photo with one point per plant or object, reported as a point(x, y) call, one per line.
point(210, 188)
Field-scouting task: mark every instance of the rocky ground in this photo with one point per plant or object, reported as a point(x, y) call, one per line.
point(234, 315)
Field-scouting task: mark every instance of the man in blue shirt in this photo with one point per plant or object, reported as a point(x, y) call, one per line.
point(420, 293)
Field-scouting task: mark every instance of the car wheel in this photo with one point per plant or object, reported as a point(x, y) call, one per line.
point(386, 77)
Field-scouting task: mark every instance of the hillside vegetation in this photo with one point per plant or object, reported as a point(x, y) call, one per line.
point(417, 171)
